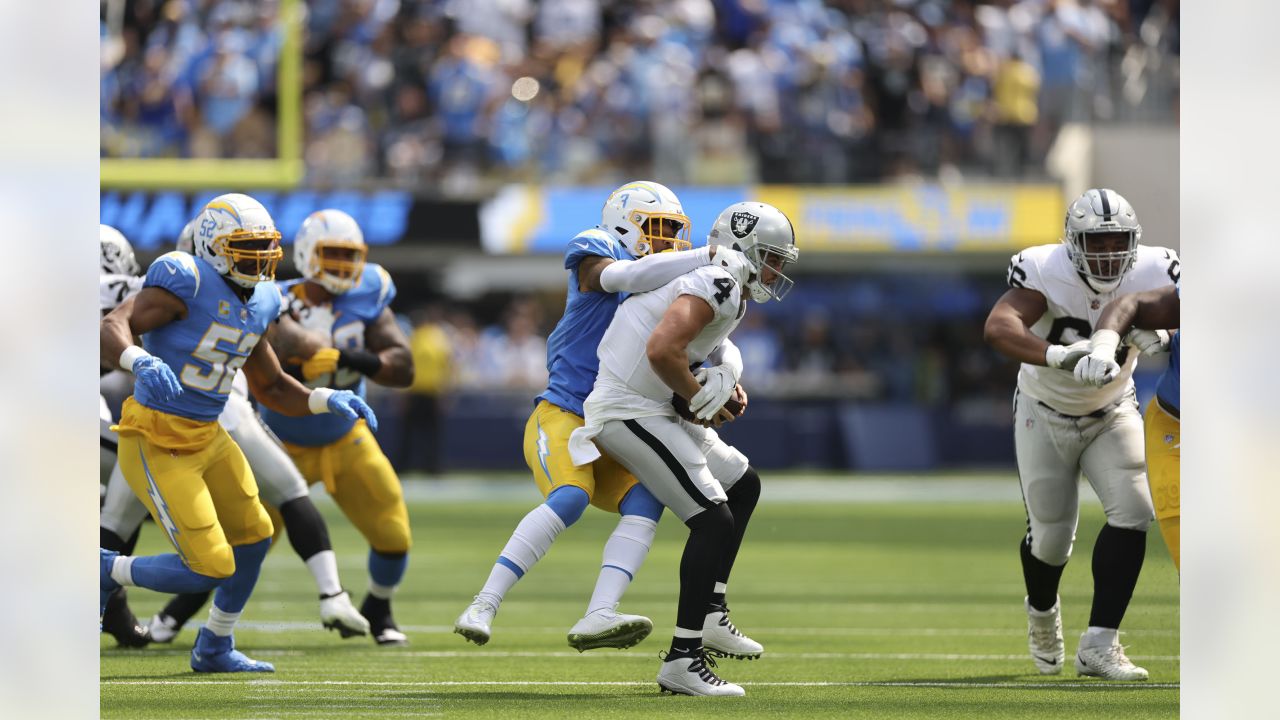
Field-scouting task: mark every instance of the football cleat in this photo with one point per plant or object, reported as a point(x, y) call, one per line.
point(1044, 638)
point(163, 628)
point(722, 639)
point(381, 625)
point(693, 676)
point(474, 622)
point(119, 622)
point(1107, 662)
point(609, 629)
point(337, 613)
point(216, 654)
point(106, 583)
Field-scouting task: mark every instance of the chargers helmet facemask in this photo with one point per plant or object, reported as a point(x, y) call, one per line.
point(330, 250)
point(235, 234)
point(642, 212)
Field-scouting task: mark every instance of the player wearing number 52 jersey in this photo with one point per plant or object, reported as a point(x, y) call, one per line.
point(200, 319)
point(1062, 427)
point(344, 303)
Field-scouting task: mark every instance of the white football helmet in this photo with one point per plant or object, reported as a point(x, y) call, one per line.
point(187, 238)
point(237, 237)
point(117, 254)
point(1097, 212)
point(765, 235)
point(329, 250)
point(637, 212)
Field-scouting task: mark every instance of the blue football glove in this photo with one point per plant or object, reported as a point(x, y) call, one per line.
point(350, 406)
point(151, 373)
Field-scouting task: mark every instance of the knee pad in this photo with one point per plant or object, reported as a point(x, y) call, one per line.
point(568, 503)
point(1052, 544)
point(716, 520)
point(639, 501)
point(393, 538)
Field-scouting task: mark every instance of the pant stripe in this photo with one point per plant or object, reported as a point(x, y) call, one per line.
point(162, 508)
point(671, 462)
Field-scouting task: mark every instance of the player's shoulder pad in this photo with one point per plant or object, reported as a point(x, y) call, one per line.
point(713, 284)
point(1025, 266)
point(1158, 265)
point(589, 242)
point(176, 272)
point(375, 291)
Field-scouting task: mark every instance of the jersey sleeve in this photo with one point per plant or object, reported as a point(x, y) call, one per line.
point(714, 285)
point(175, 272)
point(386, 290)
point(586, 244)
point(1024, 272)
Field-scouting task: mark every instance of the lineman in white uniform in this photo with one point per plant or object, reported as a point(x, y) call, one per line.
point(649, 350)
point(281, 485)
point(1061, 427)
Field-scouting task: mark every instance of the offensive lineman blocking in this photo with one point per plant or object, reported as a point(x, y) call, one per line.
point(1056, 294)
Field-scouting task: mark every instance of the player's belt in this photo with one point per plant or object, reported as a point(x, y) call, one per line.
point(1099, 413)
point(1173, 411)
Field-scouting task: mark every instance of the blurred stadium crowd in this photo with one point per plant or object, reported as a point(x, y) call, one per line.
point(458, 96)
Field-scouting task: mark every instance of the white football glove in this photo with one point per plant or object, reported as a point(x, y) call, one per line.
point(1099, 367)
point(735, 262)
point(718, 384)
point(1065, 357)
point(1148, 342)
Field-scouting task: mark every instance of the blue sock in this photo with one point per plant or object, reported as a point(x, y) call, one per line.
point(168, 574)
point(234, 592)
point(639, 501)
point(387, 569)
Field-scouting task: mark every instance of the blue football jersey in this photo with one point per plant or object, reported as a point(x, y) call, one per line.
point(353, 312)
point(1169, 387)
point(571, 350)
point(208, 346)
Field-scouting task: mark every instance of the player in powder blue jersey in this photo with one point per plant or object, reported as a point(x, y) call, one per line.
point(1152, 313)
point(200, 318)
point(630, 251)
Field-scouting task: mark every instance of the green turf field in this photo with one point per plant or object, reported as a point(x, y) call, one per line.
point(879, 609)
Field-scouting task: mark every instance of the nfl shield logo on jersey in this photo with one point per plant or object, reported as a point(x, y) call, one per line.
point(744, 223)
point(224, 309)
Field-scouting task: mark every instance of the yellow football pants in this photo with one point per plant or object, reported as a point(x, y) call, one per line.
point(546, 452)
point(201, 494)
point(359, 477)
point(1164, 443)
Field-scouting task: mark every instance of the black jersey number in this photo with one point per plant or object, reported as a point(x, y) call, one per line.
point(725, 286)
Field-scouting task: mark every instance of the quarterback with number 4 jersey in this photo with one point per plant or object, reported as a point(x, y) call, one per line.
point(1063, 427)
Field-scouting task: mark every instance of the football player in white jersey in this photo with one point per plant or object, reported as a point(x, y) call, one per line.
point(647, 354)
point(1062, 427)
point(119, 279)
point(282, 487)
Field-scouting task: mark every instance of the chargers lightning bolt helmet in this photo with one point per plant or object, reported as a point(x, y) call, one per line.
point(1101, 211)
point(765, 235)
point(330, 250)
point(636, 213)
point(236, 235)
point(117, 254)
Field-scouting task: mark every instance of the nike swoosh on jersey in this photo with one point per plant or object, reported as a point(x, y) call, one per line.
point(584, 246)
point(171, 270)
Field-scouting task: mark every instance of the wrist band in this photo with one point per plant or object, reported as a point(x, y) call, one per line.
point(131, 355)
point(318, 401)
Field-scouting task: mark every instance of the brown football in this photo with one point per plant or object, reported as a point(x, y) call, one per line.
point(682, 407)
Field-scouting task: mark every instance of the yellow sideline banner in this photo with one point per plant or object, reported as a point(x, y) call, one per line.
point(920, 218)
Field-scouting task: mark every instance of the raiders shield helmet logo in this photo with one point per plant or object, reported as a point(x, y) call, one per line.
point(744, 223)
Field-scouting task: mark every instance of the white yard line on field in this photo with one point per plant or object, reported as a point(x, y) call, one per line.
point(1099, 685)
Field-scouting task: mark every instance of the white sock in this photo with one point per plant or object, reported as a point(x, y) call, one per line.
point(720, 588)
point(324, 568)
point(529, 542)
point(221, 623)
point(624, 553)
point(382, 592)
point(122, 570)
point(1099, 637)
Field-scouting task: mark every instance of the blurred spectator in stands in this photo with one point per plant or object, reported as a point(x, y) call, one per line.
point(422, 431)
point(1014, 106)
point(761, 352)
point(515, 355)
point(464, 338)
point(226, 86)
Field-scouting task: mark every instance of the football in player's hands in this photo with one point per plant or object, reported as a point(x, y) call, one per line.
point(682, 408)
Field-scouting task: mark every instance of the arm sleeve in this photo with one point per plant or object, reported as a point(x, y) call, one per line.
point(651, 272)
point(175, 272)
point(729, 355)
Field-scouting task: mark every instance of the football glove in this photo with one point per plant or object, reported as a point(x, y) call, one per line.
point(350, 406)
point(323, 362)
point(159, 381)
point(1148, 342)
point(1099, 367)
point(718, 384)
point(1065, 357)
point(735, 263)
